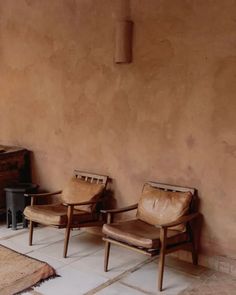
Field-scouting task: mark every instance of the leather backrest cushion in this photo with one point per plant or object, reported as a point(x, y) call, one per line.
point(157, 206)
point(78, 190)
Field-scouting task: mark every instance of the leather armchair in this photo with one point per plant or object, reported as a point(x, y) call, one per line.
point(162, 224)
point(79, 206)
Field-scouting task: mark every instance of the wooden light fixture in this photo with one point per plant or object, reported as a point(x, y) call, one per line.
point(123, 41)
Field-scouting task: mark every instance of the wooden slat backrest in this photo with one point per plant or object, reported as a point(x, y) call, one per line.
point(91, 177)
point(169, 187)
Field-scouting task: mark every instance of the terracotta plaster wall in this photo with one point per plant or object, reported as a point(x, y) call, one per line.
point(168, 116)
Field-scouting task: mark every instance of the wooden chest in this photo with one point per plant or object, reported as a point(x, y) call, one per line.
point(14, 167)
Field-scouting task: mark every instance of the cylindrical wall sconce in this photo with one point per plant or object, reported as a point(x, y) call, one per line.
point(123, 41)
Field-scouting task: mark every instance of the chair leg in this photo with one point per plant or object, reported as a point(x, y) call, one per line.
point(162, 258)
point(8, 218)
point(31, 228)
point(66, 241)
point(194, 257)
point(68, 228)
point(106, 257)
point(193, 247)
point(13, 220)
point(194, 253)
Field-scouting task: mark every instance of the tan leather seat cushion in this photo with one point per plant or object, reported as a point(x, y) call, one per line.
point(141, 234)
point(55, 214)
point(78, 190)
point(157, 206)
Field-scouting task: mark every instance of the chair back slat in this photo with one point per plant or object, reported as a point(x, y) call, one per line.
point(173, 188)
point(91, 177)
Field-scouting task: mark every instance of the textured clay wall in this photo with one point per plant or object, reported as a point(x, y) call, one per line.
point(168, 116)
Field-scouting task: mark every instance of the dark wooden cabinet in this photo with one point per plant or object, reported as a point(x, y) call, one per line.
point(14, 167)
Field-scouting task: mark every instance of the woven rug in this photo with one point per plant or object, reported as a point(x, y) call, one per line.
point(19, 272)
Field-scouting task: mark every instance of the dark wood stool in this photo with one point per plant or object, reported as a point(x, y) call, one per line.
point(16, 203)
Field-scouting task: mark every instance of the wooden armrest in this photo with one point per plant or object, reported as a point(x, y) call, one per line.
point(120, 210)
point(43, 194)
point(180, 220)
point(82, 203)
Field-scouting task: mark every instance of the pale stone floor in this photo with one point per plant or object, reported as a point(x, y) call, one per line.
point(130, 273)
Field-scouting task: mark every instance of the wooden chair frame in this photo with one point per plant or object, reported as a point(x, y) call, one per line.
point(92, 178)
point(164, 249)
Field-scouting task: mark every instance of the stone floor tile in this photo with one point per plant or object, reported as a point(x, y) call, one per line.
point(42, 237)
point(145, 279)
point(6, 233)
point(55, 263)
point(79, 246)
